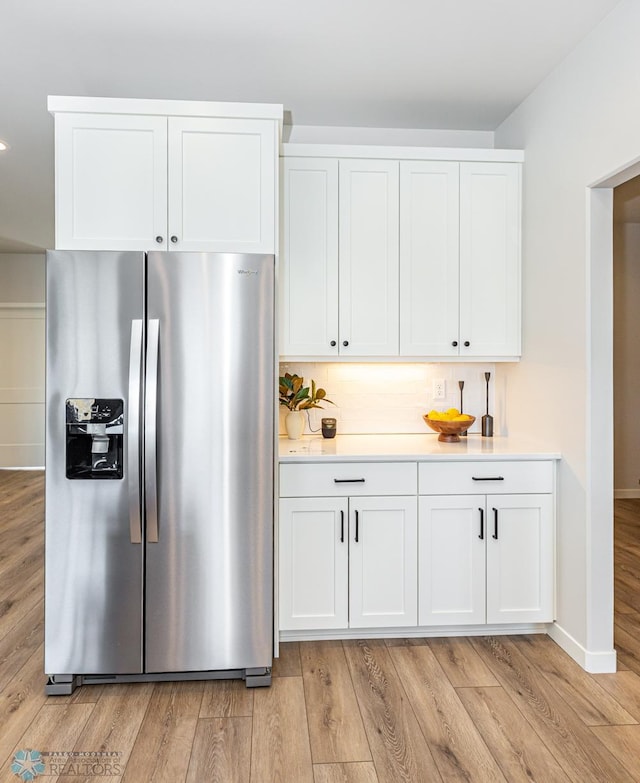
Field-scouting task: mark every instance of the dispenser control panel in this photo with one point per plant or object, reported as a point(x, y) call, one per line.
point(94, 438)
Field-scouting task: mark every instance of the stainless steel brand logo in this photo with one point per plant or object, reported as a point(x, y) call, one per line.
point(247, 271)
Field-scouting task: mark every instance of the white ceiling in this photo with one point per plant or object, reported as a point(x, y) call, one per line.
point(461, 64)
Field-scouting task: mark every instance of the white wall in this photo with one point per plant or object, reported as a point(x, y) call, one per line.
point(626, 355)
point(409, 137)
point(578, 127)
point(392, 398)
point(22, 343)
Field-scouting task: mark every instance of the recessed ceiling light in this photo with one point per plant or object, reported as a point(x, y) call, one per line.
point(3, 146)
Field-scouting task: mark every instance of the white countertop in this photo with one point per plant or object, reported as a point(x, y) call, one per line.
point(315, 448)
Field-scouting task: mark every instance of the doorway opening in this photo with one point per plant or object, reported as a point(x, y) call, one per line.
point(626, 430)
point(599, 427)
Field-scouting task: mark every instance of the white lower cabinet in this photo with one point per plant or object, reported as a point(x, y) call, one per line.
point(452, 561)
point(348, 560)
point(314, 563)
point(383, 562)
point(473, 546)
point(486, 558)
point(520, 559)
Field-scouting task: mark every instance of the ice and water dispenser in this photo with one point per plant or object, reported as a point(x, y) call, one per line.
point(94, 435)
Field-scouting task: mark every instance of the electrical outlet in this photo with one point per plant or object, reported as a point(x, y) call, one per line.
point(438, 391)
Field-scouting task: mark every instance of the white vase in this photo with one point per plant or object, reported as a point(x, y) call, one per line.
point(294, 424)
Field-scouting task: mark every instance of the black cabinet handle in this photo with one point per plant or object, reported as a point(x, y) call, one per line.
point(174, 239)
point(357, 522)
point(332, 343)
point(495, 523)
point(467, 343)
point(159, 239)
point(345, 343)
point(349, 481)
point(342, 527)
point(487, 478)
point(481, 536)
point(455, 343)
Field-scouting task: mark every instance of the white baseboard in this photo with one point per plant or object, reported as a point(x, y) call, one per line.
point(620, 494)
point(21, 467)
point(412, 631)
point(602, 662)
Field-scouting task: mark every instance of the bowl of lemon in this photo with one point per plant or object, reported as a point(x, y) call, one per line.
point(449, 424)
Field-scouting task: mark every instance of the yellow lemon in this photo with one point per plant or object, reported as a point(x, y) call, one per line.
point(453, 412)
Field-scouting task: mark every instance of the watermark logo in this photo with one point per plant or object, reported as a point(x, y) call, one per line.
point(27, 764)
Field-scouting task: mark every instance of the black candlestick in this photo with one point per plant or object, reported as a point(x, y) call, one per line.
point(487, 421)
point(461, 387)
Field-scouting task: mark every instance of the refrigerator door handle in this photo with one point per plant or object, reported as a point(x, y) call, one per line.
point(133, 433)
point(150, 432)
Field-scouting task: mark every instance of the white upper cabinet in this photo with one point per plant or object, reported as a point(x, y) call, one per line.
point(460, 259)
point(165, 175)
point(339, 266)
point(369, 191)
point(428, 254)
point(489, 259)
point(222, 183)
point(111, 182)
point(429, 271)
point(309, 265)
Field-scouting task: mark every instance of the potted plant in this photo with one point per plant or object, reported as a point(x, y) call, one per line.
point(297, 397)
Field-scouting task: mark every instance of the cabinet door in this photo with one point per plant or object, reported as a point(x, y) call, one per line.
point(309, 259)
point(313, 563)
point(489, 259)
point(369, 212)
point(222, 184)
point(383, 585)
point(520, 558)
point(451, 560)
point(111, 182)
point(429, 231)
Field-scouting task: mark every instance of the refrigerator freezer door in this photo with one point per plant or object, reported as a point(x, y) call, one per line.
point(209, 575)
point(93, 575)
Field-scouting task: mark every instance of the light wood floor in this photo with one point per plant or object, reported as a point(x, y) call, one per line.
point(484, 709)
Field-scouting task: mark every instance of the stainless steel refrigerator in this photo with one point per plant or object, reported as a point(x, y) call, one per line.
point(159, 467)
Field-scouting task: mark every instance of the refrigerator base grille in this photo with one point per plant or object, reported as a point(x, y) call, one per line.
point(65, 684)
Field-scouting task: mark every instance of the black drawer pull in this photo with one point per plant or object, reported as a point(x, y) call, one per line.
point(357, 526)
point(342, 527)
point(495, 523)
point(349, 481)
point(481, 536)
point(487, 478)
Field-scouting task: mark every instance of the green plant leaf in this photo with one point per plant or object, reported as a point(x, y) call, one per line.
point(294, 395)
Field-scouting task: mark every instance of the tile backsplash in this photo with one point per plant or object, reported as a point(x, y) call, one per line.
point(391, 398)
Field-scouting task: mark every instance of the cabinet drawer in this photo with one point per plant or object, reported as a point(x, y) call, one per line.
point(348, 478)
point(464, 478)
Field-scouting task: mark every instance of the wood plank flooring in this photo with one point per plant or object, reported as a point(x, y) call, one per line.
point(396, 711)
